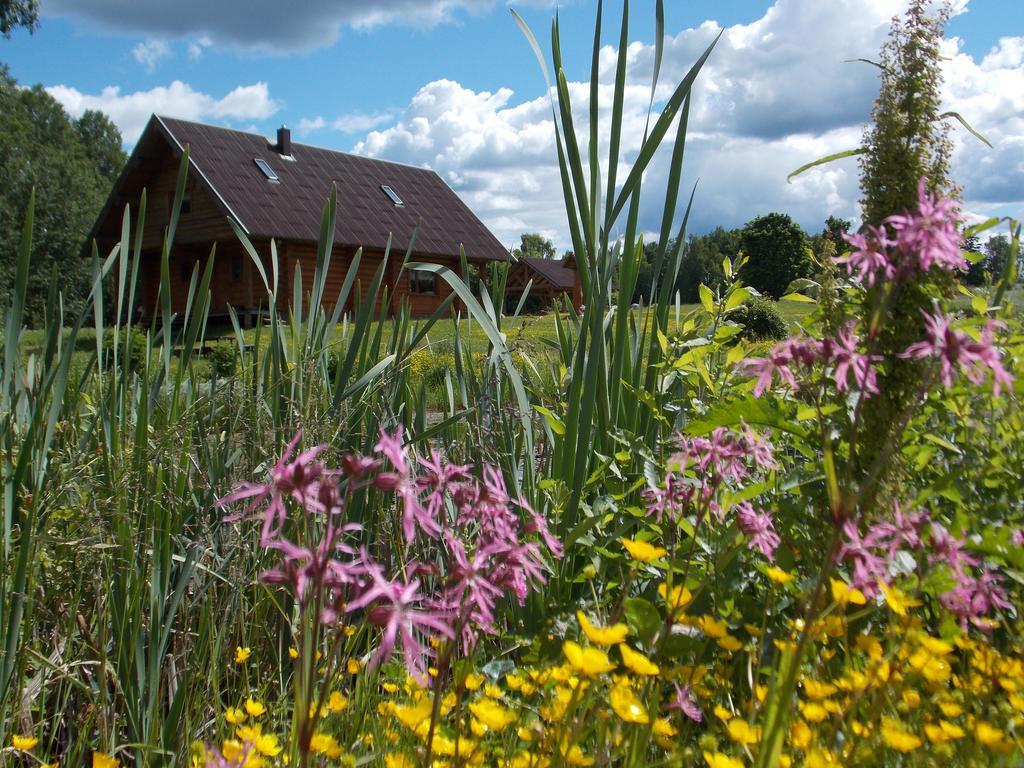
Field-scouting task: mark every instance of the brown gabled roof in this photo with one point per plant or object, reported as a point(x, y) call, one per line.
point(553, 271)
point(291, 209)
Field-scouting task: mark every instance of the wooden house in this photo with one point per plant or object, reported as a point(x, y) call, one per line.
point(277, 191)
point(548, 279)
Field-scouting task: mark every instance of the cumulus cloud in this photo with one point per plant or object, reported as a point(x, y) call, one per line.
point(262, 24)
point(150, 52)
point(352, 123)
point(131, 111)
point(775, 94)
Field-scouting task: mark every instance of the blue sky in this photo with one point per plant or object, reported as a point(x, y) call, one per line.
point(452, 84)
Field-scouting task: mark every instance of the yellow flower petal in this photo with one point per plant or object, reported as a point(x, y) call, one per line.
point(642, 551)
point(627, 706)
point(637, 662)
point(588, 661)
point(610, 635)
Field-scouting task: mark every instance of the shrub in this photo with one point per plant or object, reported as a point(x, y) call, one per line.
point(223, 357)
point(776, 251)
point(761, 320)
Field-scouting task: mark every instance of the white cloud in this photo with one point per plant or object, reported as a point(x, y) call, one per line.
point(150, 52)
point(131, 111)
point(775, 94)
point(354, 122)
point(198, 47)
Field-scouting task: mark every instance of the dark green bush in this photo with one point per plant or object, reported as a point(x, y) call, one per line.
point(761, 320)
point(223, 357)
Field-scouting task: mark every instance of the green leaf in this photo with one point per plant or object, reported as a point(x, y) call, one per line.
point(736, 297)
point(824, 160)
point(553, 421)
point(643, 617)
point(957, 116)
point(707, 298)
point(797, 297)
point(751, 410)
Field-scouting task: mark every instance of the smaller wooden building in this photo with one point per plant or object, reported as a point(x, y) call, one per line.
point(548, 279)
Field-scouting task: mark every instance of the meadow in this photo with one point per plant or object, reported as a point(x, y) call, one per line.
point(632, 536)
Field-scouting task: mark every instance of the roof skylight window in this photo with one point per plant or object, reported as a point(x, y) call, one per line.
point(393, 195)
point(264, 166)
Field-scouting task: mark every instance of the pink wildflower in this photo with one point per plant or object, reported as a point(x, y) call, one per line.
point(402, 482)
point(760, 528)
point(869, 257)
point(903, 530)
point(842, 352)
point(399, 616)
point(930, 235)
point(297, 479)
point(954, 349)
point(867, 567)
point(1017, 538)
point(685, 702)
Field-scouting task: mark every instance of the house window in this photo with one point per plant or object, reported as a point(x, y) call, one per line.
point(186, 203)
point(422, 281)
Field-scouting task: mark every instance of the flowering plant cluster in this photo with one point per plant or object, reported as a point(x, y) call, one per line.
point(464, 545)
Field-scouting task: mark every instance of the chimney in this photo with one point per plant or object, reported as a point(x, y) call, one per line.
point(284, 141)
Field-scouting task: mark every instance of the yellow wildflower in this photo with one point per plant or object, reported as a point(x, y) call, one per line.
point(991, 737)
point(778, 575)
point(898, 737)
point(234, 715)
point(820, 758)
point(718, 760)
point(897, 601)
point(242, 654)
point(415, 715)
point(496, 717)
point(800, 734)
point(679, 599)
point(951, 708)
point(627, 706)
point(254, 708)
point(943, 731)
point(712, 628)
point(336, 702)
point(729, 643)
point(642, 551)
point(637, 662)
point(100, 760)
point(24, 743)
point(353, 666)
point(293, 652)
point(843, 594)
point(818, 690)
point(743, 732)
point(589, 661)
point(611, 635)
point(398, 760)
point(813, 712)
point(473, 681)
point(326, 745)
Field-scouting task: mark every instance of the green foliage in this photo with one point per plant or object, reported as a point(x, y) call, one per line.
point(224, 357)
point(905, 143)
point(775, 248)
point(18, 13)
point(761, 320)
point(907, 140)
point(71, 164)
point(534, 246)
